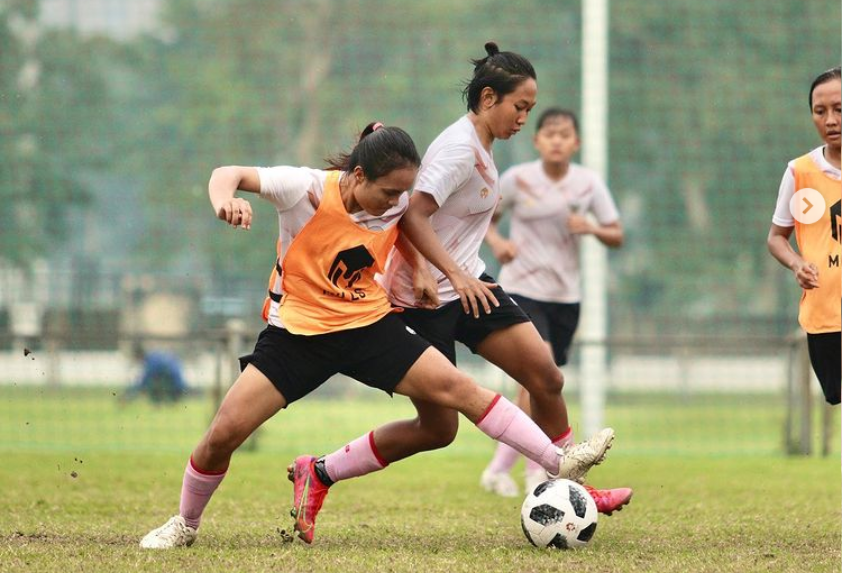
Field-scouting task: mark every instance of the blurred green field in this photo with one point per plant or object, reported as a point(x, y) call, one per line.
point(83, 478)
point(74, 419)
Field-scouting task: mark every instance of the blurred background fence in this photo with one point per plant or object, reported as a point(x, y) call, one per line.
point(113, 114)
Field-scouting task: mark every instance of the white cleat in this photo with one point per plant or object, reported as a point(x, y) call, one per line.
point(500, 483)
point(575, 460)
point(174, 533)
point(534, 478)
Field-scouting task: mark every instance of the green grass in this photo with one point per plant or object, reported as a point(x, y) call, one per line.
point(712, 493)
point(425, 514)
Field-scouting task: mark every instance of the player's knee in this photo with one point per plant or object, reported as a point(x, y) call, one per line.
point(545, 381)
point(448, 388)
point(441, 434)
point(459, 388)
point(224, 436)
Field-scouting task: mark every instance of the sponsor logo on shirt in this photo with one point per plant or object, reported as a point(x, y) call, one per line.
point(347, 269)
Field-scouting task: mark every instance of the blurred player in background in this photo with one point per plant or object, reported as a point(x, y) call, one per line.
point(448, 216)
point(815, 265)
point(329, 315)
point(161, 377)
point(549, 199)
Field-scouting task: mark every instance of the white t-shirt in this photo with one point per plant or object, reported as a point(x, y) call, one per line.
point(296, 193)
point(461, 176)
point(783, 216)
point(546, 267)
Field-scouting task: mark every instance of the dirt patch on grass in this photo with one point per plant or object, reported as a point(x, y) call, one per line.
point(22, 538)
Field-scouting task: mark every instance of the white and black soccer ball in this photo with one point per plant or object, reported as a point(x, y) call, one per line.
point(560, 514)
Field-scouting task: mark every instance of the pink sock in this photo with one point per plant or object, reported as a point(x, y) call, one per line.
point(196, 490)
point(358, 458)
point(504, 458)
point(563, 440)
point(507, 423)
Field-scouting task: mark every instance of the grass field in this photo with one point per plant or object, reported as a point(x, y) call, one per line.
point(709, 496)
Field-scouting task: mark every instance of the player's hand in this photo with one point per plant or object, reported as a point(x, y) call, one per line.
point(474, 293)
point(504, 251)
point(236, 212)
point(579, 225)
point(807, 275)
point(426, 288)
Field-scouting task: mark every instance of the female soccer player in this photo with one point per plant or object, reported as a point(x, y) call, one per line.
point(815, 265)
point(450, 211)
point(329, 315)
point(548, 199)
point(448, 215)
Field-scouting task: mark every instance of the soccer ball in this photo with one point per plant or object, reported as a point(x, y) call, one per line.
point(560, 514)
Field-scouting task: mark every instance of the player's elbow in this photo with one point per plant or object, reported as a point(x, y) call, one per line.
point(616, 237)
point(223, 173)
point(770, 243)
point(773, 241)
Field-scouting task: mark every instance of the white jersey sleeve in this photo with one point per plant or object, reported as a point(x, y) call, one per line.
point(783, 216)
point(602, 205)
point(284, 186)
point(447, 171)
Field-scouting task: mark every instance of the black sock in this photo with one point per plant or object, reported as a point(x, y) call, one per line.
point(321, 472)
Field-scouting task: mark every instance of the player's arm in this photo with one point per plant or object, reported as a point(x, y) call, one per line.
point(610, 235)
point(424, 284)
point(416, 224)
point(502, 248)
point(222, 188)
point(605, 225)
point(806, 273)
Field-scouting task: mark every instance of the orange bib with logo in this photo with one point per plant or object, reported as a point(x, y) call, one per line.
point(328, 271)
point(819, 243)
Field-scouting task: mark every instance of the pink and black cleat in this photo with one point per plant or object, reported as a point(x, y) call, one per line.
point(610, 500)
point(308, 496)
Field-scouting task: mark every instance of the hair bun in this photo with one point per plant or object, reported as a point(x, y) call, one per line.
point(491, 49)
point(370, 128)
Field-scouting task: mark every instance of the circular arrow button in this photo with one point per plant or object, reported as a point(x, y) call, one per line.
point(807, 206)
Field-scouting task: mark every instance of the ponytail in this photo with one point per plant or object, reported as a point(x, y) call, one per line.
point(379, 151)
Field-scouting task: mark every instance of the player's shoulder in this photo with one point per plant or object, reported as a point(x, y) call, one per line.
point(579, 171)
point(527, 171)
point(813, 159)
point(456, 135)
point(454, 145)
point(525, 168)
point(293, 172)
point(317, 175)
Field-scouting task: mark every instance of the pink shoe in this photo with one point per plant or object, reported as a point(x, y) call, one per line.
point(610, 500)
point(308, 495)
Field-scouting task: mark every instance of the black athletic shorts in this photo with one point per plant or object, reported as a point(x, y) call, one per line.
point(445, 325)
point(556, 323)
point(378, 355)
point(826, 357)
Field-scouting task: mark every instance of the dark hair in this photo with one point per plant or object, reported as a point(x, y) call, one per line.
point(552, 112)
point(500, 71)
point(824, 77)
point(379, 151)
